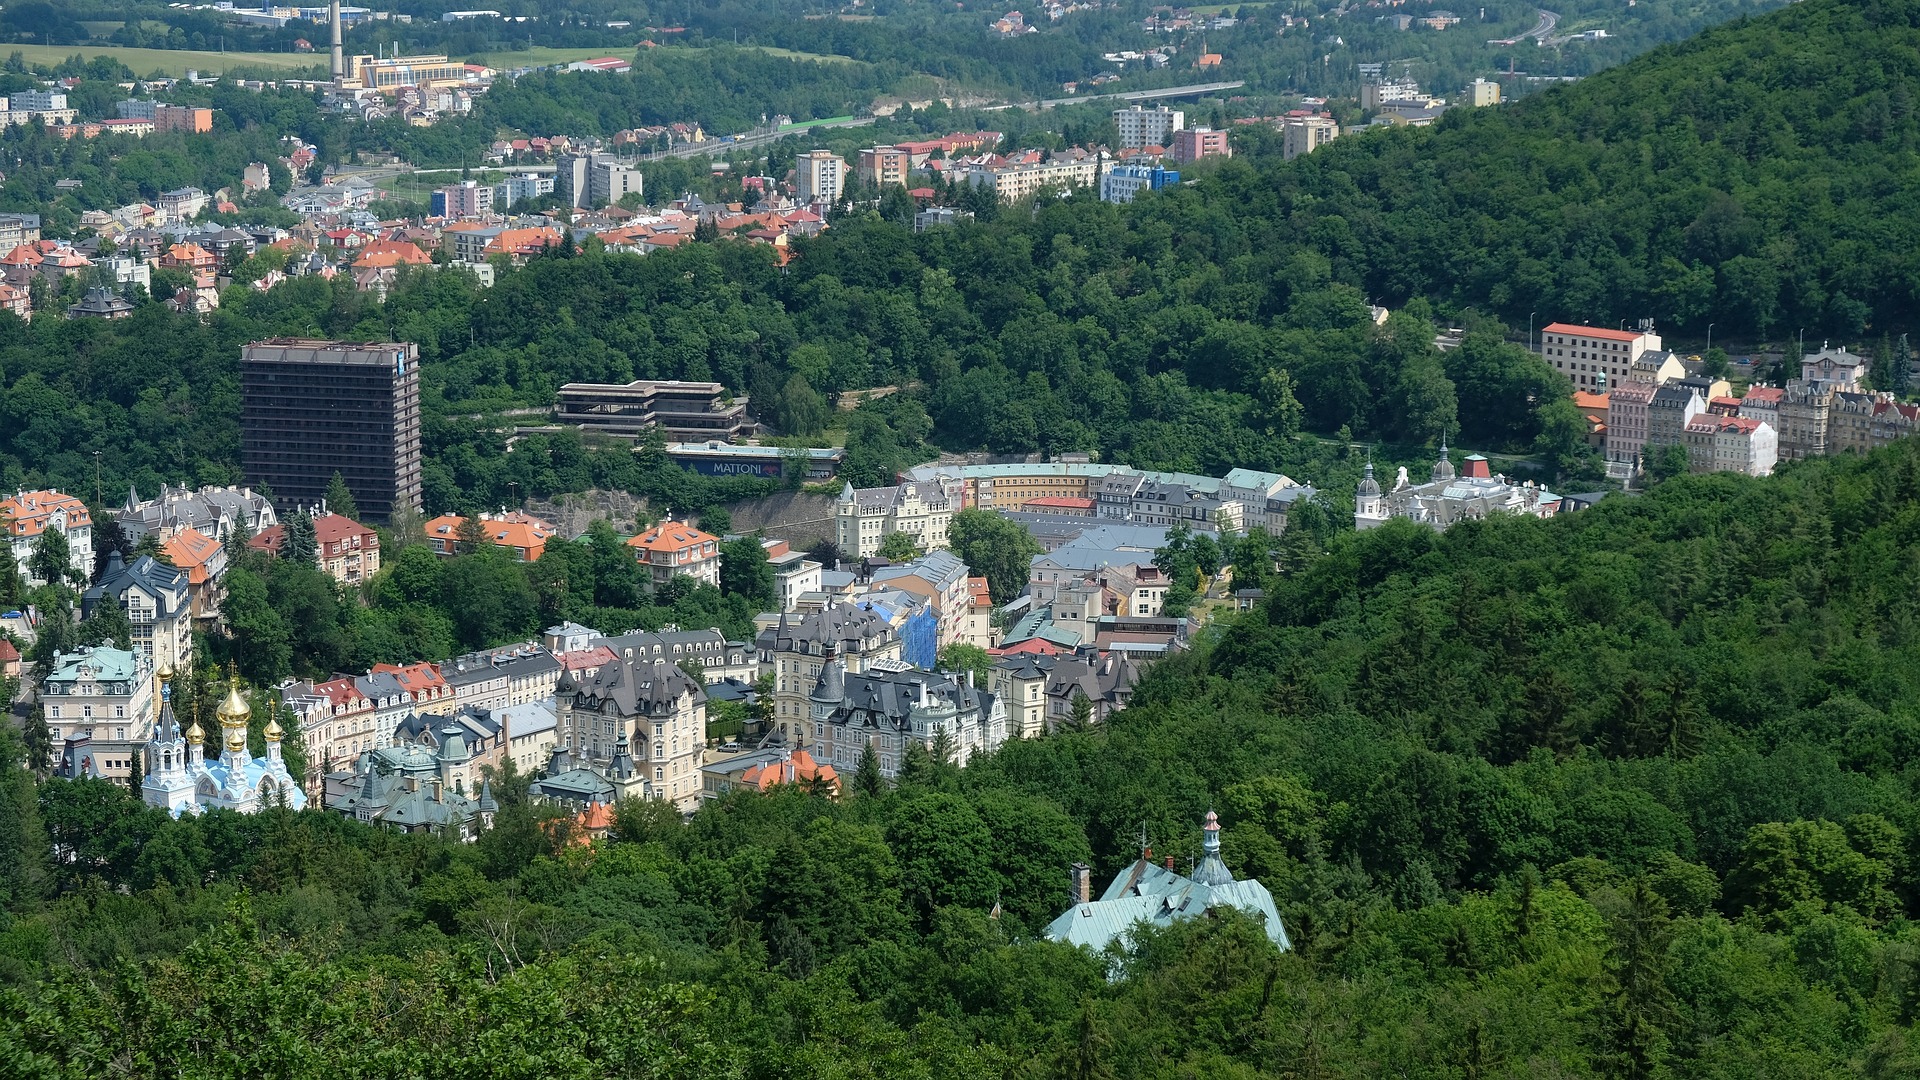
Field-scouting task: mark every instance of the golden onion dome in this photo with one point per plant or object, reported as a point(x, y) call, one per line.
point(195, 735)
point(234, 710)
point(274, 730)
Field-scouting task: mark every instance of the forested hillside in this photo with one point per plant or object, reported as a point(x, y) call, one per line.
point(1759, 176)
point(1624, 793)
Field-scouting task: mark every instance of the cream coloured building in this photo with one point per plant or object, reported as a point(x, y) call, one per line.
point(1594, 356)
point(863, 518)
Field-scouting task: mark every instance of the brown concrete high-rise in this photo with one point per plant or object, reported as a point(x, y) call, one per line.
point(311, 408)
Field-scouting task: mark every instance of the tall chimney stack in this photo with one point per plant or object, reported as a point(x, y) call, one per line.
point(1080, 875)
point(339, 53)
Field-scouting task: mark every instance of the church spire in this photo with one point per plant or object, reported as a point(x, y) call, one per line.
point(1443, 468)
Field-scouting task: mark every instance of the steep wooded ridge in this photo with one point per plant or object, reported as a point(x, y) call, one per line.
point(1760, 176)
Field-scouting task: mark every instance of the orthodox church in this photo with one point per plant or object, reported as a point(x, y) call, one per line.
point(181, 781)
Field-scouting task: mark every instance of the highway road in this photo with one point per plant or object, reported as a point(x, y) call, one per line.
point(1548, 20)
point(1194, 90)
point(762, 136)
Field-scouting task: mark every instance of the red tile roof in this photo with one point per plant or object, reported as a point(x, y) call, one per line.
point(1605, 332)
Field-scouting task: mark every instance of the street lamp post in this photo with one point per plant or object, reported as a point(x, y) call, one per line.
point(1710, 327)
point(1530, 316)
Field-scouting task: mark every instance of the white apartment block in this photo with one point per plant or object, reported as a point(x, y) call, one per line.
point(819, 176)
point(1147, 127)
point(1015, 182)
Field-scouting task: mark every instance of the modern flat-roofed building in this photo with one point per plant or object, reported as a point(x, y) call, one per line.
point(689, 411)
point(1138, 126)
point(1193, 144)
point(1305, 134)
point(883, 165)
point(715, 458)
point(312, 408)
point(819, 176)
point(387, 73)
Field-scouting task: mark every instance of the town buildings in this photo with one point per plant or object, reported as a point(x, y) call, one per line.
point(796, 650)
point(29, 514)
point(1140, 127)
point(1123, 183)
point(519, 532)
point(883, 165)
point(592, 179)
point(1449, 497)
point(467, 199)
point(498, 679)
point(1627, 406)
point(347, 551)
point(312, 408)
point(864, 518)
point(1305, 134)
point(1244, 499)
point(1041, 690)
point(943, 714)
point(205, 561)
point(417, 788)
point(180, 780)
point(1482, 93)
point(1720, 443)
point(676, 549)
point(819, 177)
point(100, 302)
point(98, 705)
point(764, 770)
point(1595, 356)
point(1193, 144)
point(390, 73)
point(1014, 182)
point(217, 512)
point(1377, 92)
point(685, 411)
point(635, 719)
point(158, 601)
point(942, 580)
point(705, 652)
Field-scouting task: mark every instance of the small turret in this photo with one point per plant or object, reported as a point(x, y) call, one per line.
point(1211, 871)
point(1443, 468)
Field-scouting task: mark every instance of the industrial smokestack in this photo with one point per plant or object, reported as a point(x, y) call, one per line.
point(339, 53)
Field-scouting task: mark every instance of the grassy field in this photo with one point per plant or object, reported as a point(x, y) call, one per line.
point(176, 62)
point(169, 61)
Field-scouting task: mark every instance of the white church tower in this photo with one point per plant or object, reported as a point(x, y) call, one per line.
point(1369, 505)
point(169, 782)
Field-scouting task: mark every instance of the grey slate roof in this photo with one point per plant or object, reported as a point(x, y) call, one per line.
point(636, 687)
point(167, 584)
point(839, 623)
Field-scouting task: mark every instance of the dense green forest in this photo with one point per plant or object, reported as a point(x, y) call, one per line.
point(1623, 793)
